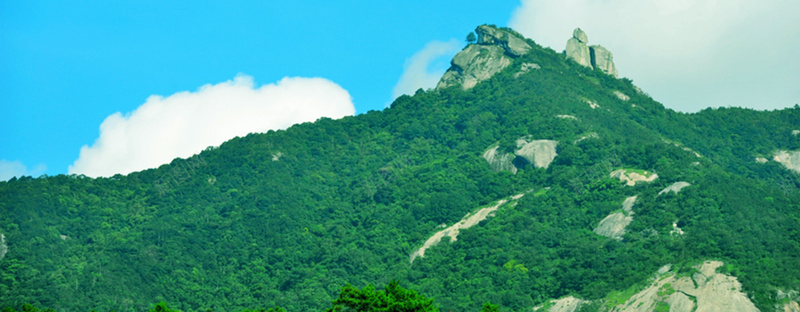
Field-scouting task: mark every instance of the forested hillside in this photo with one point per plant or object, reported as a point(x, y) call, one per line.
point(287, 218)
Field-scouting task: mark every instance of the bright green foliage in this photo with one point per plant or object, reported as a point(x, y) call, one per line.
point(285, 218)
point(489, 307)
point(393, 299)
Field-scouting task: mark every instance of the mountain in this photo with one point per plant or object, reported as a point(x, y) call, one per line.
point(525, 179)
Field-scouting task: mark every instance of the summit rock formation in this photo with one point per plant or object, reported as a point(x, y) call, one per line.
point(495, 50)
point(595, 56)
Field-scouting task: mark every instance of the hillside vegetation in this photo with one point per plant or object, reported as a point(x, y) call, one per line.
point(288, 218)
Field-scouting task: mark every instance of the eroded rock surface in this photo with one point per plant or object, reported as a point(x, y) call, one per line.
point(566, 304)
point(705, 291)
point(789, 159)
point(468, 221)
point(595, 56)
point(631, 178)
point(613, 226)
point(495, 50)
point(3, 246)
point(603, 60)
point(500, 161)
point(577, 49)
point(539, 153)
point(674, 187)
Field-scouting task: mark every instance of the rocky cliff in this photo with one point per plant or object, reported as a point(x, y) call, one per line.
point(595, 56)
point(495, 50)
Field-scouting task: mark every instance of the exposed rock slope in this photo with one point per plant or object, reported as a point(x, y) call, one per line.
point(538, 153)
point(704, 291)
point(467, 222)
point(495, 50)
point(632, 177)
point(789, 159)
point(613, 226)
point(674, 187)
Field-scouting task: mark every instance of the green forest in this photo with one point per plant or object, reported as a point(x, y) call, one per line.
point(310, 218)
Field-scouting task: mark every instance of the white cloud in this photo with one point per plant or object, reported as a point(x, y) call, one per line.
point(424, 68)
point(10, 169)
point(185, 123)
point(688, 54)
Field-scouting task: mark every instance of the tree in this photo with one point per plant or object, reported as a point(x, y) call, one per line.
point(471, 37)
point(393, 299)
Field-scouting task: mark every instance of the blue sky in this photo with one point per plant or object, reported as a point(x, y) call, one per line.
point(66, 67)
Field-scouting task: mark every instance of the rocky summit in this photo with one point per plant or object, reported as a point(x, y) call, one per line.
point(595, 56)
point(494, 51)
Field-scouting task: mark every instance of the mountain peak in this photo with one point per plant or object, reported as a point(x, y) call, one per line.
point(495, 50)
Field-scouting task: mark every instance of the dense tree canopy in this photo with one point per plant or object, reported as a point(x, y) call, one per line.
point(285, 218)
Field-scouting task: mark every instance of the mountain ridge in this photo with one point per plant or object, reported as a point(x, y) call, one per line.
point(287, 217)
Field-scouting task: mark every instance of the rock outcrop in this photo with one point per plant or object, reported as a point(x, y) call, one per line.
point(674, 187)
point(704, 291)
point(603, 60)
point(494, 51)
point(511, 42)
point(595, 56)
point(566, 304)
point(613, 226)
point(499, 161)
point(631, 177)
point(789, 159)
point(3, 246)
point(539, 153)
point(467, 222)
point(788, 301)
point(577, 50)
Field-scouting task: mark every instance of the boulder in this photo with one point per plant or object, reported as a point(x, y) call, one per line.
point(595, 56)
point(613, 226)
point(539, 153)
point(603, 60)
point(499, 161)
point(578, 52)
point(580, 35)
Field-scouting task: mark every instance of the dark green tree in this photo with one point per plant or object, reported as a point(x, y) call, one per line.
point(393, 299)
point(471, 37)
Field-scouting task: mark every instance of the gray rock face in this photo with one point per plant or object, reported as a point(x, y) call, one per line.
point(578, 52)
point(566, 304)
point(674, 187)
point(595, 56)
point(603, 60)
point(3, 246)
point(705, 291)
point(613, 226)
point(789, 159)
point(494, 51)
point(511, 42)
point(499, 161)
point(540, 153)
point(580, 35)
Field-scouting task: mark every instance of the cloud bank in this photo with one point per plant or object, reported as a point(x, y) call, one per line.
point(688, 54)
point(185, 123)
point(10, 169)
point(424, 68)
